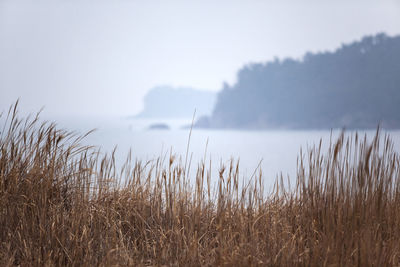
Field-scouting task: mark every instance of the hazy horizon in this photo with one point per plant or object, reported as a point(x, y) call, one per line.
point(101, 57)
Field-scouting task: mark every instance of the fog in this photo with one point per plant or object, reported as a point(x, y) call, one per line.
point(101, 57)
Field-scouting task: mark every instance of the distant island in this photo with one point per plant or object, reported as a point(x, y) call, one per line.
point(356, 86)
point(158, 126)
point(166, 102)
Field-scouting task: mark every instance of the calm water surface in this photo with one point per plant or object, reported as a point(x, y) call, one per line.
point(276, 152)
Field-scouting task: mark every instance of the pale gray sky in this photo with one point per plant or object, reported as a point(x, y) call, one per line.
point(100, 57)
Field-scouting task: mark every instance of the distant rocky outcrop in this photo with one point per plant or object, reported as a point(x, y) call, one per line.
point(356, 86)
point(159, 126)
point(177, 103)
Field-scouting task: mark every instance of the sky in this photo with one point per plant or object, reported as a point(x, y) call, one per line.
point(97, 57)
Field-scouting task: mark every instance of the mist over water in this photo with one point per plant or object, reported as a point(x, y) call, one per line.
point(275, 152)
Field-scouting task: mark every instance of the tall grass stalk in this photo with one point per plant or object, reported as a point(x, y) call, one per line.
point(62, 203)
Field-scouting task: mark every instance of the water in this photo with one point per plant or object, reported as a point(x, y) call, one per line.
point(275, 152)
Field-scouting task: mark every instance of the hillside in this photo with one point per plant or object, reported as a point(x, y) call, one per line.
point(356, 86)
point(177, 103)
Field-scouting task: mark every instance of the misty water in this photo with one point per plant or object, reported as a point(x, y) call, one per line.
point(274, 151)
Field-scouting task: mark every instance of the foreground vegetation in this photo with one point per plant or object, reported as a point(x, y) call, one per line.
point(63, 204)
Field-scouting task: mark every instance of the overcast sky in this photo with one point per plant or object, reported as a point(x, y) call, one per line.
point(87, 57)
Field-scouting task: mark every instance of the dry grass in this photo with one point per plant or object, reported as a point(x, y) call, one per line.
point(63, 204)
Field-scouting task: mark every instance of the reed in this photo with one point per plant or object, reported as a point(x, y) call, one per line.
point(62, 203)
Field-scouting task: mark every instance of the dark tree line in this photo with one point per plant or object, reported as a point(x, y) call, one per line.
point(357, 86)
